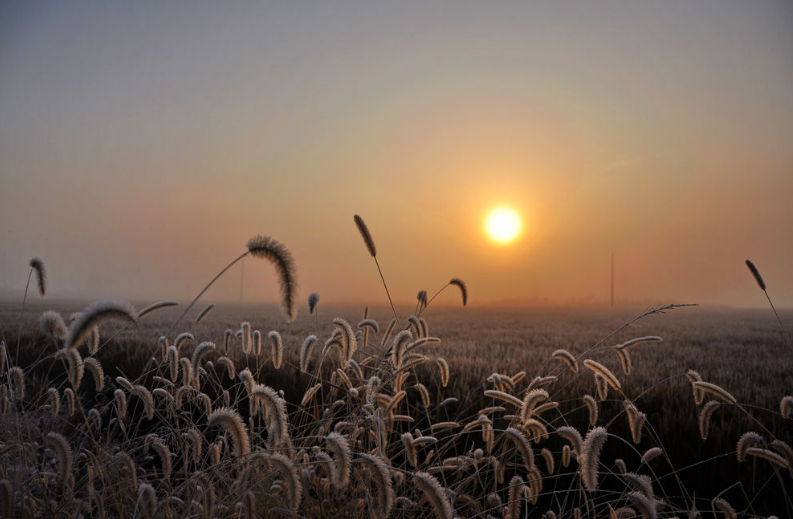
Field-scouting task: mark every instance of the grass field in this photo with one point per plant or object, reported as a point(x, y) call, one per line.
point(742, 351)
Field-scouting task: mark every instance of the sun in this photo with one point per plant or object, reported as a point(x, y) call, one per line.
point(503, 224)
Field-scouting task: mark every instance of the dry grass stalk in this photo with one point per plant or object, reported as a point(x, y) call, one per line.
point(756, 274)
point(342, 459)
point(313, 299)
point(204, 313)
point(94, 315)
point(625, 361)
point(786, 451)
point(280, 257)
point(716, 390)
point(651, 454)
point(704, 418)
point(155, 307)
point(592, 406)
point(381, 477)
point(699, 394)
point(638, 340)
point(68, 394)
point(435, 493)
point(533, 397)
point(97, 372)
point(636, 421)
point(724, 507)
point(366, 235)
point(504, 397)
point(349, 344)
point(201, 350)
point(748, 439)
point(55, 400)
point(37, 266)
point(573, 436)
point(644, 505)
point(305, 351)
point(459, 283)
point(369, 242)
point(275, 415)
point(604, 372)
point(231, 421)
point(52, 324)
point(567, 357)
point(523, 445)
point(146, 505)
point(768, 455)
point(388, 332)
point(17, 378)
point(761, 284)
point(590, 457)
point(76, 368)
point(63, 453)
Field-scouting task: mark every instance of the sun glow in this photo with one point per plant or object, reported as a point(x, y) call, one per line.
point(503, 224)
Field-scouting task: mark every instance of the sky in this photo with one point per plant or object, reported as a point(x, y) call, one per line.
point(143, 143)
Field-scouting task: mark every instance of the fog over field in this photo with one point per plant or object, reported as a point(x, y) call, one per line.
point(141, 145)
point(396, 259)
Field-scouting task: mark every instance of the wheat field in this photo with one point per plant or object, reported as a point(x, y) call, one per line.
point(233, 411)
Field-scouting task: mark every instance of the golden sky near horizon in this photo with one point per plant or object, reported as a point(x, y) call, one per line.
point(141, 145)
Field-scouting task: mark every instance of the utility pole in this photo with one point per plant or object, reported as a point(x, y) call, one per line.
point(612, 280)
point(242, 272)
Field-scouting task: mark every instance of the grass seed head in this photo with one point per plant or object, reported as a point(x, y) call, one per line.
point(277, 254)
point(41, 275)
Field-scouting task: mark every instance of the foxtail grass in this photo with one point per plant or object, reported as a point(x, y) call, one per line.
point(37, 266)
point(369, 242)
point(313, 301)
point(761, 284)
point(459, 283)
point(279, 256)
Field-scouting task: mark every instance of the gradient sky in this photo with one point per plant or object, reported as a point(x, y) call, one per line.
point(143, 143)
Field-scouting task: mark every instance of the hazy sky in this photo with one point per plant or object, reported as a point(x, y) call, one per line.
point(143, 143)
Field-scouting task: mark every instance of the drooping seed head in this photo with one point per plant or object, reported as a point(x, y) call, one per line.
point(63, 453)
point(97, 372)
point(94, 315)
point(205, 312)
point(459, 283)
point(146, 506)
point(590, 457)
point(41, 275)
point(651, 454)
point(435, 493)
point(340, 448)
point(230, 420)
point(155, 307)
point(748, 439)
point(381, 477)
point(277, 254)
point(52, 324)
point(201, 350)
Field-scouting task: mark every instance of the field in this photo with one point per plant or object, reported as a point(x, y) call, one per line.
point(509, 463)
